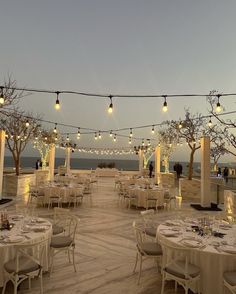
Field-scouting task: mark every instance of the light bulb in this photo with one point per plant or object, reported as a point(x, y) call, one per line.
point(57, 104)
point(164, 108)
point(78, 134)
point(67, 138)
point(111, 134)
point(153, 130)
point(2, 100)
point(131, 133)
point(218, 107)
point(27, 124)
point(99, 135)
point(55, 129)
point(95, 136)
point(180, 125)
point(210, 122)
point(114, 139)
point(130, 141)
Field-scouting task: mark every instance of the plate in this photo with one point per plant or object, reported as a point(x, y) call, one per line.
point(228, 249)
point(169, 233)
point(193, 243)
point(14, 239)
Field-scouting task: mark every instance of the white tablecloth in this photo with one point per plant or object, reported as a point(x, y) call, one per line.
point(7, 251)
point(211, 262)
point(143, 194)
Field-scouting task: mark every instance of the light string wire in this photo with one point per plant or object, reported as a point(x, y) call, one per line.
point(92, 131)
point(116, 95)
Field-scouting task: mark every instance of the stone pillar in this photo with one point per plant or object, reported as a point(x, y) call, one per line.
point(157, 164)
point(205, 172)
point(140, 156)
point(51, 162)
point(2, 151)
point(67, 160)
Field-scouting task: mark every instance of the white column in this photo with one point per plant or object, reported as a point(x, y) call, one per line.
point(51, 162)
point(67, 161)
point(157, 164)
point(2, 151)
point(205, 172)
point(140, 156)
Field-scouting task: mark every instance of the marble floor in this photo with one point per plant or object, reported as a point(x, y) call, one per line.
point(105, 250)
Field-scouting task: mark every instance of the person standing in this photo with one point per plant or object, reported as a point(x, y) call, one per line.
point(226, 174)
point(37, 164)
point(150, 169)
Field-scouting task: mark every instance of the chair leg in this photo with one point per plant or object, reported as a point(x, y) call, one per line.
point(163, 284)
point(136, 261)
point(140, 268)
point(176, 286)
point(29, 283)
point(73, 258)
point(68, 251)
point(52, 257)
point(41, 281)
point(4, 287)
point(15, 285)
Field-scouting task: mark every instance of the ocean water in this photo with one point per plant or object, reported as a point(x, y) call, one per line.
point(88, 163)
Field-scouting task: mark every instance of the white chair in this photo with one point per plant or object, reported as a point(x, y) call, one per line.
point(149, 227)
point(229, 281)
point(27, 264)
point(65, 242)
point(179, 268)
point(75, 196)
point(54, 196)
point(154, 197)
point(59, 220)
point(145, 249)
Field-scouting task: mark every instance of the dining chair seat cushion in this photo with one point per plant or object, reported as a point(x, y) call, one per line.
point(56, 229)
point(150, 231)
point(150, 248)
point(230, 277)
point(178, 269)
point(61, 241)
point(26, 265)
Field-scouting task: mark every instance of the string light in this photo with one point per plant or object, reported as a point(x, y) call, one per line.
point(130, 141)
point(2, 100)
point(27, 123)
point(114, 138)
point(67, 137)
point(57, 104)
point(218, 106)
point(111, 134)
point(56, 138)
point(95, 136)
point(78, 134)
point(149, 143)
point(153, 130)
point(164, 108)
point(131, 133)
point(110, 109)
point(99, 135)
point(142, 142)
point(210, 122)
point(55, 129)
point(180, 125)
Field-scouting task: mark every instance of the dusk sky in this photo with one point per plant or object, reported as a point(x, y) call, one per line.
point(119, 47)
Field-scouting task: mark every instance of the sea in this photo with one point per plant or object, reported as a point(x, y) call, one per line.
point(91, 164)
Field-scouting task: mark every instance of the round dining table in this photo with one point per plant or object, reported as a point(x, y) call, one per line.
point(25, 230)
point(213, 252)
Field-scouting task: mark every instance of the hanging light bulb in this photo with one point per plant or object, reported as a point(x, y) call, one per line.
point(46, 138)
point(218, 106)
point(95, 136)
point(164, 108)
point(153, 130)
point(210, 122)
point(110, 109)
point(18, 137)
point(142, 142)
point(27, 123)
point(55, 128)
point(99, 135)
point(78, 134)
point(2, 100)
point(57, 104)
point(67, 137)
point(180, 125)
point(36, 138)
point(149, 143)
point(111, 134)
point(130, 141)
point(56, 138)
point(131, 133)
point(114, 138)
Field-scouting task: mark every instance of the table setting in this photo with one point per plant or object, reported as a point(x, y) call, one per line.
point(211, 243)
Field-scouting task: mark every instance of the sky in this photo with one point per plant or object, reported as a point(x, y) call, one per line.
point(119, 47)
